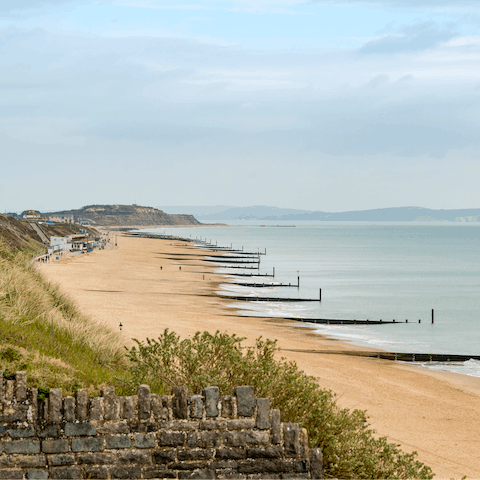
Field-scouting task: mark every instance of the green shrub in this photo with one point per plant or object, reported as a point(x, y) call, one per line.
point(349, 446)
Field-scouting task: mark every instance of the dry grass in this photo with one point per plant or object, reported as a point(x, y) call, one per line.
point(38, 317)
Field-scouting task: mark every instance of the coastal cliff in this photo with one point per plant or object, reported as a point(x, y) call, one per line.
point(127, 215)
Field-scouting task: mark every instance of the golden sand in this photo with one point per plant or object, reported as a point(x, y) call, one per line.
point(436, 414)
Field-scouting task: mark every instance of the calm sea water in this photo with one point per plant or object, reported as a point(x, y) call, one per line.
point(370, 271)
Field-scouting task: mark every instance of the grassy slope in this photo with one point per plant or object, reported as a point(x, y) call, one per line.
point(44, 333)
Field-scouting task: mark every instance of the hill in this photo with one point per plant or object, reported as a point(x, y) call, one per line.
point(397, 214)
point(127, 215)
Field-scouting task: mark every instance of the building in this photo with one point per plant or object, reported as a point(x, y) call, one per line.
point(33, 216)
point(66, 219)
point(59, 244)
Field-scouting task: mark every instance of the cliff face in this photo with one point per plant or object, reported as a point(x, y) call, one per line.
point(16, 234)
point(20, 234)
point(128, 215)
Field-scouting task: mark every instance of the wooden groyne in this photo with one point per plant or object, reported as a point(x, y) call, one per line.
point(336, 321)
point(267, 299)
point(396, 356)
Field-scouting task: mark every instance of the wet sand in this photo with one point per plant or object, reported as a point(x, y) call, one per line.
point(436, 414)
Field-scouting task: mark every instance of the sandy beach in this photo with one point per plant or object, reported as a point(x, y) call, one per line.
point(151, 284)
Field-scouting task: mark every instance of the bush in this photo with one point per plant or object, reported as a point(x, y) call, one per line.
point(349, 447)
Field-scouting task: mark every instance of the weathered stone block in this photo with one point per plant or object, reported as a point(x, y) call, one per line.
point(126, 472)
point(32, 395)
point(80, 429)
point(81, 404)
point(49, 431)
point(211, 395)
point(30, 461)
point(55, 446)
point(213, 425)
point(6, 462)
point(161, 406)
point(119, 442)
point(127, 407)
point(144, 440)
point(21, 386)
point(111, 404)
point(174, 439)
point(241, 424)
point(206, 474)
point(276, 426)
point(316, 463)
point(230, 453)
point(229, 473)
point(180, 426)
point(96, 472)
point(156, 472)
point(133, 456)
point(69, 409)
point(11, 474)
point(232, 464)
point(268, 476)
point(180, 402)
point(264, 466)
point(303, 441)
point(55, 405)
point(265, 452)
point(95, 459)
point(96, 409)
point(37, 474)
point(195, 454)
point(87, 444)
point(144, 402)
point(187, 465)
point(238, 439)
point(109, 428)
point(228, 406)
point(292, 439)
point(3, 430)
point(263, 413)
point(65, 473)
point(245, 400)
point(29, 447)
point(143, 427)
point(204, 439)
point(9, 390)
point(301, 466)
point(22, 432)
point(61, 460)
point(196, 406)
point(164, 456)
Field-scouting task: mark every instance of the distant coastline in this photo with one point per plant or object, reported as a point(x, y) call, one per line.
point(266, 213)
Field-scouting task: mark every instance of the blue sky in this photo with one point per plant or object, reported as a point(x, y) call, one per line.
point(322, 105)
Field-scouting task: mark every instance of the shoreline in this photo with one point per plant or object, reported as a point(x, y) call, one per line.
point(434, 413)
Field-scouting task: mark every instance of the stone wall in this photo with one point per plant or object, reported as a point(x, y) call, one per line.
point(147, 435)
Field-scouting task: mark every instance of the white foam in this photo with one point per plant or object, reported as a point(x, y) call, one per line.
point(469, 367)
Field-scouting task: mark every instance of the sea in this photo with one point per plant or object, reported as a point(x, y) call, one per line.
point(365, 271)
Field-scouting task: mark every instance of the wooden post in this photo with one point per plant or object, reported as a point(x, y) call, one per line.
point(320, 294)
point(273, 272)
point(432, 316)
point(298, 282)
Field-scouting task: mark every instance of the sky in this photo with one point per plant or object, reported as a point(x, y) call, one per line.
point(320, 105)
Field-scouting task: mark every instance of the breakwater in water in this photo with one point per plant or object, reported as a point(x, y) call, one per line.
point(147, 435)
